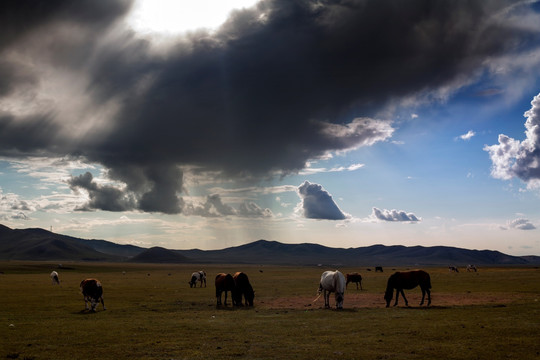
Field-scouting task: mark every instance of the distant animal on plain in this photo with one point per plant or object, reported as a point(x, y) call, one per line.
point(242, 288)
point(355, 278)
point(453, 269)
point(54, 278)
point(408, 280)
point(378, 269)
point(224, 283)
point(198, 276)
point(332, 282)
point(92, 292)
point(472, 268)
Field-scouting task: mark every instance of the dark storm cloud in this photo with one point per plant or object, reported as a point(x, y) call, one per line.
point(102, 197)
point(277, 85)
point(317, 203)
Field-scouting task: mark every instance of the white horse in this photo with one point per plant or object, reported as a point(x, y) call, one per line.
point(197, 276)
point(332, 281)
point(54, 278)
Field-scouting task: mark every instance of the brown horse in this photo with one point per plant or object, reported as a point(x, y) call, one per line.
point(242, 287)
point(408, 280)
point(355, 278)
point(224, 283)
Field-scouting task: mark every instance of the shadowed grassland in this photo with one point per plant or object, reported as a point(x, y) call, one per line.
point(152, 313)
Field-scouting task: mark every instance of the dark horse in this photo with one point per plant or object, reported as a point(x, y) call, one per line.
point(408, 280)
point(242, 287)
point(224, 282)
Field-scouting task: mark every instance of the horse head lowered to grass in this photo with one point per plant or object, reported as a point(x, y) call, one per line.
point(408, 280)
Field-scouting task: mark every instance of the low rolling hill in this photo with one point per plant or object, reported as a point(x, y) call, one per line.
point(40, 244)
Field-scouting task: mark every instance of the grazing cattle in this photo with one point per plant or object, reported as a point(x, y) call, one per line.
point(224, 283)
point(408, 280)
point(472, 268)
point(378, 269)
point(332, 281)
point(54, 278)
point(197, 276)
point(242, 288)
point(92, 292)
point(355, 278)
point(453, 269)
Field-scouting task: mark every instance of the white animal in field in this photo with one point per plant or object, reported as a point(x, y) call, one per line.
point(54, 278)
point(198, 276)
point(332, 282)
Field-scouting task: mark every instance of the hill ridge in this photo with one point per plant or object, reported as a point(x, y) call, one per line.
point(40, 244)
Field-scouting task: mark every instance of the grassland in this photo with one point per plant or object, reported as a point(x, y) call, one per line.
point(152, 313)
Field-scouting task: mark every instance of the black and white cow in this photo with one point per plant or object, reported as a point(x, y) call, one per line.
point(92, 292)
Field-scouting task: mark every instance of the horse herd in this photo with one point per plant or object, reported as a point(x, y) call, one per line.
point(242, 292)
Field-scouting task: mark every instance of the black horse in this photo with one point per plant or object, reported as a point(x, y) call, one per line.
point(408, 280)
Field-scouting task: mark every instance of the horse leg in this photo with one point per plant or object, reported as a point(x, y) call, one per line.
point(397, 296)
point(428, 297)
point(423, 295)
point(326, 299)
point(225, 298)
point(218, 297)
point(404, 298)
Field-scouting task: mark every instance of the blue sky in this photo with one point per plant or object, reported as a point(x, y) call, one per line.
point(347, 125)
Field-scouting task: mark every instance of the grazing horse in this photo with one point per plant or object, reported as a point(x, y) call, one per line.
point(54, 278)
point(471, 268)
point(242, 287)
point(408, 280)
point(224, 283)
point(355, 278)
point(197, 276)
point(332, 281)
point(92, 292)
point(453, 269)
point(378, 269)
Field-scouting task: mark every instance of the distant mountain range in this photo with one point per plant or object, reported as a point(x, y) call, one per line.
point(39, 244)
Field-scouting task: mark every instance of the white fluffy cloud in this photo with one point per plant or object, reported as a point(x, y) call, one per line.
point(393, 215)
point(520, 159)
point(468, 136)
point(521, 224)
point(317, 203)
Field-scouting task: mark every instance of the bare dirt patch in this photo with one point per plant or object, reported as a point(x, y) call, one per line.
point(354, 300)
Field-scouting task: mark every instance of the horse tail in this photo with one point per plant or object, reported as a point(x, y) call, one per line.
point(428, 281)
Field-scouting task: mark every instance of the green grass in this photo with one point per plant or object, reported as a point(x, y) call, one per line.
point(152, 313)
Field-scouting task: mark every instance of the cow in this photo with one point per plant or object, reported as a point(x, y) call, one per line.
point(471, 268)
point(92, 292)
point(332, 281)
point(355, 278)
point(197, 276)
point(453, 269)
point(54, 278)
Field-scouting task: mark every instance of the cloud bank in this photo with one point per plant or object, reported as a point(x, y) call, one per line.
point(277, 85)
point(318, 204)
point(393, 215)
point(521, 224)
point(512, 158)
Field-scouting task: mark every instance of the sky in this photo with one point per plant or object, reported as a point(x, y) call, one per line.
point(343, 123)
